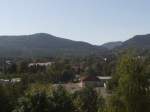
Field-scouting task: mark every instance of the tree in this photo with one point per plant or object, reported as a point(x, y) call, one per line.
point(62, 100)
point(67, 75)
point(58, 73)
point(87, 100)
point(37, 102)
point(132, 84)
point(44, 98)
point(54, 73)
point(8, 96)
point(22, 67)
point(12, 68)
point(4, 100)
point(115, 104)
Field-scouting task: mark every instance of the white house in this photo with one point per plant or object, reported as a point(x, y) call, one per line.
point(90, 81)
point(40, 64)
point(15, 80)
point(104, 79)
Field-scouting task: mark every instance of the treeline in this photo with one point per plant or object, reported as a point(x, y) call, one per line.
point(62, 70)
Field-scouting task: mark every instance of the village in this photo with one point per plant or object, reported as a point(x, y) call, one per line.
point(79, 82)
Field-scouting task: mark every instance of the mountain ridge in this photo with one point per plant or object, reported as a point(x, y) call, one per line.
point(137, 42)
point(43, 44)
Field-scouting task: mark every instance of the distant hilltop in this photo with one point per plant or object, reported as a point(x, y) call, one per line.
point(43, 45)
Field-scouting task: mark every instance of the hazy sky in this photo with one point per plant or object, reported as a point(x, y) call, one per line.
point(94, 21)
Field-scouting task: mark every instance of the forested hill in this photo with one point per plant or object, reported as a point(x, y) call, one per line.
point(141, 43)
point(45, 45)
point(42, 44)
point(138, 41)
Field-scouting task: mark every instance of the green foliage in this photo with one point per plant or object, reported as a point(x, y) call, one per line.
point(115, 104)
point(62, 100)
point(44, 98)
point(22, 67)
point(132, 85)
point(8, 96)
point(60, 72)
point(87, 100)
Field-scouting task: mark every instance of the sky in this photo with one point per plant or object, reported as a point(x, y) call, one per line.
point(93, 21)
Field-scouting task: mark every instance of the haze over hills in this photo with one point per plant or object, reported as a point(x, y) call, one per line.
point(112, 45)
point(43, 45)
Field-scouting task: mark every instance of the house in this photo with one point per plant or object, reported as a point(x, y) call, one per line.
point(40, 64)
point(104, 80)
point(94, 81)
point(90, 81)
point(4, 81)
point(78, 67)
point(15, 80)
point(9, 81)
